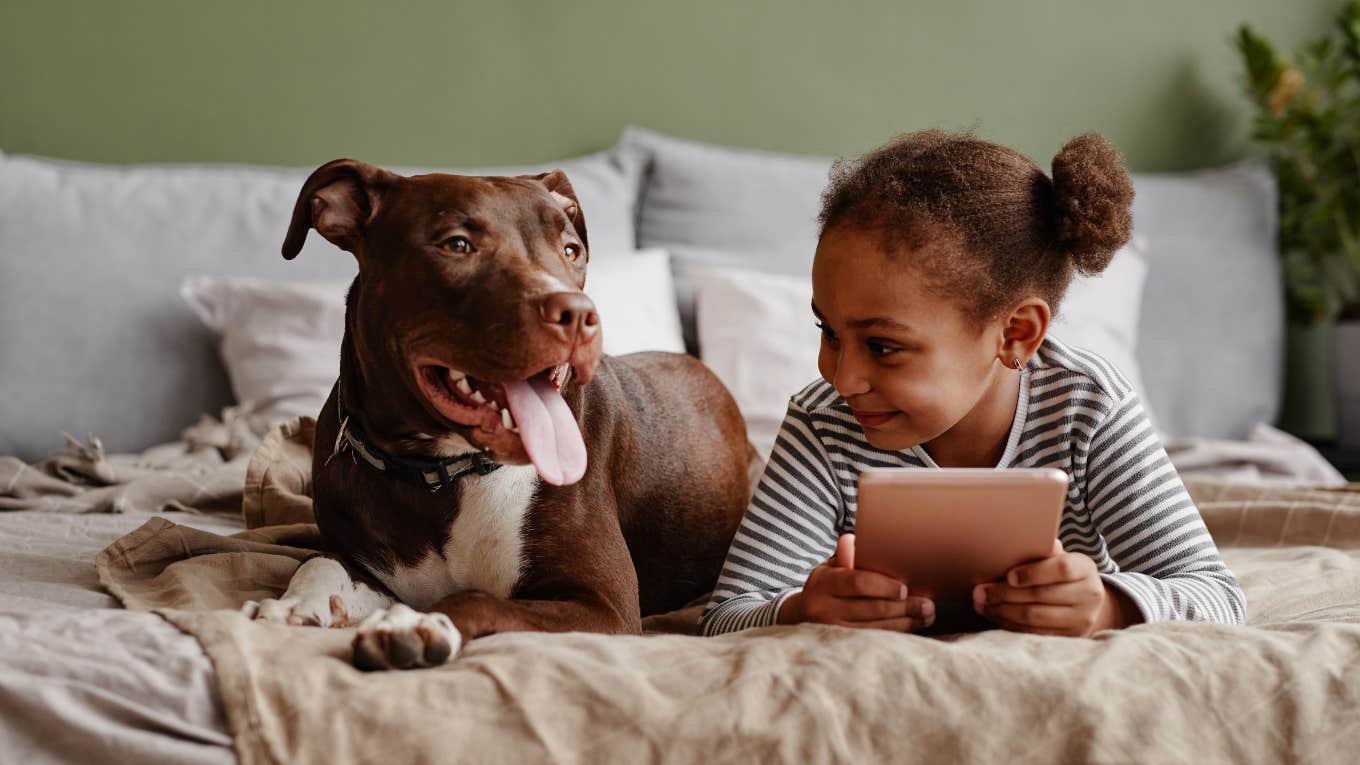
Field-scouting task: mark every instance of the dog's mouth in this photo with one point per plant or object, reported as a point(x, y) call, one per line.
point(521, 421)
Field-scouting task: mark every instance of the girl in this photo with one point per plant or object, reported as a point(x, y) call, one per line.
point(941, 261)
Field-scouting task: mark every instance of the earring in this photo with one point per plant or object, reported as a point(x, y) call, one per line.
point(1016, 361)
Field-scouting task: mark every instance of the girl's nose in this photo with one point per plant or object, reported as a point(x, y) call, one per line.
point(850, 378)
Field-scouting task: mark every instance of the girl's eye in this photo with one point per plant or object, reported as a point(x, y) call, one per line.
point(458, 244)
point(879, 349)
point(573, 252)
point(826, 331)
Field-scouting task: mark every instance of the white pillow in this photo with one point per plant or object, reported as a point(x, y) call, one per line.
point(280, 341)
point(1101, 313)
point(635, 297)
point(757, 333)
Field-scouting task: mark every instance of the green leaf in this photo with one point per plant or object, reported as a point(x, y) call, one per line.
point(1308, 119)
point(1348, 20)
point(1263, 66)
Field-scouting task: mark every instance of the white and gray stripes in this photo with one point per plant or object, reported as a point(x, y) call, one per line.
point(1126, 506)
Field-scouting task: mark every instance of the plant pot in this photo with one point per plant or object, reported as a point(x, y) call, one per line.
point(1347, 382)
point(1309, 408)
point(1322, 382)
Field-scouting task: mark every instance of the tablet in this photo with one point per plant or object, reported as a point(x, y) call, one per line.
point(944, 530)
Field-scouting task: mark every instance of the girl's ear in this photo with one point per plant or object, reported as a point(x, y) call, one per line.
point(1023, 331)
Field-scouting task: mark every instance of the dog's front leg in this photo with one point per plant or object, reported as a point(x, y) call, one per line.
point(478, 613)
point(320, 594)
point(567, 588)
point(402, 638)
point(577, 592)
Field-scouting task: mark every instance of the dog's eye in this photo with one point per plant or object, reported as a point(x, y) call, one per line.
point(458, 244)
point(573, 252)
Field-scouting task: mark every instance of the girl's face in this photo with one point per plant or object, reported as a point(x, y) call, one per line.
point(907, 360)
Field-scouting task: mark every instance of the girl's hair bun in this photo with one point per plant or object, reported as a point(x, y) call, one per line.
point(1092, 194)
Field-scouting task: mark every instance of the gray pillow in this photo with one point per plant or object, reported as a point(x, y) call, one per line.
point(1211, 333)
point(730, 208)
point(1210, 338)
point(94, 338)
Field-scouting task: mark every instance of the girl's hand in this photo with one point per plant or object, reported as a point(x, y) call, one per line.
point(835, 593)
point(1062, 594)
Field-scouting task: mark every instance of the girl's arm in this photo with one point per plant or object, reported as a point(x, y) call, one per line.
point(789, 528)
point(1169, 566)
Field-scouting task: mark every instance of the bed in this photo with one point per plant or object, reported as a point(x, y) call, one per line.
point(158, 463)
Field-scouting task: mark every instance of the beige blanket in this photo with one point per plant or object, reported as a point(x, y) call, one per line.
point(1285, 689)
point(203, 471)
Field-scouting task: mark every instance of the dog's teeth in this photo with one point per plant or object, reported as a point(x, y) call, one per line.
point(455, 375)
point(478, 397)
point(463, 386)
point(508, 421)
point(495, 407)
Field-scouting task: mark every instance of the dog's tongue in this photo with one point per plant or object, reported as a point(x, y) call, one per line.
point(548, 430)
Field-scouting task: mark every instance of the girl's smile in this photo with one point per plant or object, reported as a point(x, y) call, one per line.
point(873, 419)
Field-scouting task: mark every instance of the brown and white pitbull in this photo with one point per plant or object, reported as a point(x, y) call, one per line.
point(479, 458)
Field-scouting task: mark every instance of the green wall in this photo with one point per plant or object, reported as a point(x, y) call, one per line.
point(458, 83)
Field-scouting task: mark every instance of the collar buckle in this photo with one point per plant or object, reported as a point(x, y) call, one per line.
point(482, 464)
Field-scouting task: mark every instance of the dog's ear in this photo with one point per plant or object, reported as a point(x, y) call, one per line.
point(561, 190)
point(339, 199)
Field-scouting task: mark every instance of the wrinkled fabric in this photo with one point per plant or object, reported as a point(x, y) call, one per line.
point(1285, 688)
point(104, 685)
point(1267, 456)
point(203, 471)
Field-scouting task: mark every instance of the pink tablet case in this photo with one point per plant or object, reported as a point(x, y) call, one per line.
point(942, 531)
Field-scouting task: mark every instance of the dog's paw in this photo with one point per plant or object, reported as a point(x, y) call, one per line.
point(403, 638)
point(307, 612)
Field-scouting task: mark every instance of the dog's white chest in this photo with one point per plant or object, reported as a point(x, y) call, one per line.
point(485, 550)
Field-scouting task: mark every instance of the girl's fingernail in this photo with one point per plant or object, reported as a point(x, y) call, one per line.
point(979, 595)
point(902, 593)
point(928, 612)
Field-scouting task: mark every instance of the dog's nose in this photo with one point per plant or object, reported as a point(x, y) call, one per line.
point(571, 314)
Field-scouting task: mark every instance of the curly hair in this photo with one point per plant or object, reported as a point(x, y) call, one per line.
point(985, 222)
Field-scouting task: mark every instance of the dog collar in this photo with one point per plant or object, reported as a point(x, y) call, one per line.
point(429, 473)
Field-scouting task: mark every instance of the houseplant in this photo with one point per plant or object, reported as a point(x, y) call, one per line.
point(1308, 119)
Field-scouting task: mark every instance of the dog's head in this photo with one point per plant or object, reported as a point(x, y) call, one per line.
point(469, 290)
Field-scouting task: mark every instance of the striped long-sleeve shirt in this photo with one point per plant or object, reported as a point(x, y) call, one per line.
point(1126, 506)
